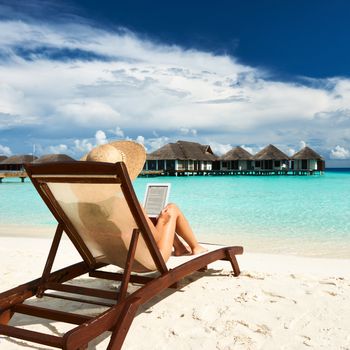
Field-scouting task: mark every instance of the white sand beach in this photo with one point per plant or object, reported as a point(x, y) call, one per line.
point(278, 302)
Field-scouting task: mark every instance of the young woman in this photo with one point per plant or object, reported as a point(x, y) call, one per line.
point(171, 221)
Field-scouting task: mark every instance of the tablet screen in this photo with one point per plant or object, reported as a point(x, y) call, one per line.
point(156, 198)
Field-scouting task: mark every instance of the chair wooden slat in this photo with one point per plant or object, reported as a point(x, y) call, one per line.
point(79, 300)
point(50, 314)
point(105, 294)
point(119, 276)
point(32, 336)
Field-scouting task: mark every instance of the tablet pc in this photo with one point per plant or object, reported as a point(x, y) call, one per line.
point(156, 198)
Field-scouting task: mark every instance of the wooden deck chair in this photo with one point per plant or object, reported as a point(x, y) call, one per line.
point(96, 206)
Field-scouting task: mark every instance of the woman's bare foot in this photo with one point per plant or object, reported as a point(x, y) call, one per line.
point(182, 250)
point(198, 249)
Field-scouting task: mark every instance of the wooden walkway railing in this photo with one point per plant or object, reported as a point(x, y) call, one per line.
point(22, 174)
point(150, 173)
point(10, 174)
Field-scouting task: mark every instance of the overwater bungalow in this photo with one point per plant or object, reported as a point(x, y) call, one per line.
point(307, 160)
point(271, 159)
point(237, 159)
point(180, 157)
point(47, 158)
point(15, 163)
point(191, 158)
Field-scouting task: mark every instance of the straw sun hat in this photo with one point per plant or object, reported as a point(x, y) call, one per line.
point(131, 153)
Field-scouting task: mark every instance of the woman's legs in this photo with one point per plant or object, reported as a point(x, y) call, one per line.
point(179, 247)
point(172, 220)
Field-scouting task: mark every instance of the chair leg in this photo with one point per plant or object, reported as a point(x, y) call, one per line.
point(124, 322)
point(49, 261)
point(128, 265)
point(6, 316)
point(232, 259)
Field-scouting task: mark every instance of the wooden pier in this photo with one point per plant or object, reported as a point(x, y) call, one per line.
point(151, 173)
point(10, 174)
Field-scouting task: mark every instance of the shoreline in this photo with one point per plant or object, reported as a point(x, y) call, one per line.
point(277, 302)
point(258, 262)
point(290, 246)
point(29, 231)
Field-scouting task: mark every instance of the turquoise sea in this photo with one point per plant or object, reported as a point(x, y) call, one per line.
point(302, 215)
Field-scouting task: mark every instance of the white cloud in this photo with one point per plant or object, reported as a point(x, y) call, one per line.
point(291, 151)
point(340, 153)
point(145, 87)
point(85, 113)
point(83, 146)
point(59, 149)
point(152, 144)
point(86, 145)
point(220, 149)
point(117, 131)
point(100, 137)
point(5, 150)
point(188, 131)
point(140, 139)
point(249, 149)
point(302, 144)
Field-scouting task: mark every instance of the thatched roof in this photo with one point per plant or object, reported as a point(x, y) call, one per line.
point(183, 150)
point(47, 158)
point(307, 153)
point(22, 159)
point(270, 152)
point(237, 153)
point(2, 158)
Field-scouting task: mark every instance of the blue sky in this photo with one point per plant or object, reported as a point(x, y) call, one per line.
point(75, 74)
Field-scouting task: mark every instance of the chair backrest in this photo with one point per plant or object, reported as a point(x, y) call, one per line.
point(98, 209)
